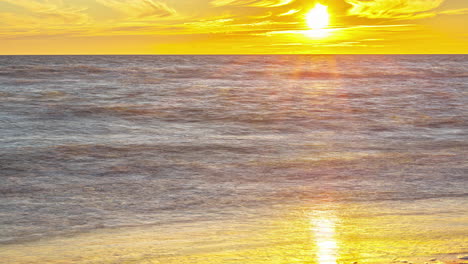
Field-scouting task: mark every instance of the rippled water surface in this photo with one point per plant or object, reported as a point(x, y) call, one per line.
point(302, 159)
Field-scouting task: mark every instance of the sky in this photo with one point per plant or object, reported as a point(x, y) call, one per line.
point(232, 27)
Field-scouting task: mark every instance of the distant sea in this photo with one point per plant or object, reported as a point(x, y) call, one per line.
point(367, 153)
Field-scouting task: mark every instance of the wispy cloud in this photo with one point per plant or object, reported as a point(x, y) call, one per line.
point(253, 3)
point(341, 31)
point(290, 12)
point(47, 12)
point(57, 17)
point(462, 11)
point(11, 19)
point(392, 8)
point(140, 8)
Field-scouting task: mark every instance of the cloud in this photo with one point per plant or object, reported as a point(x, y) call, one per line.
point(12, 19)
point(210, 25)
point(253, 3)
point(48, 12)
point(290, 12)
point(33, 5)
point(140, 8)
point(392, 8)
point(462, 11)
point(340, 31)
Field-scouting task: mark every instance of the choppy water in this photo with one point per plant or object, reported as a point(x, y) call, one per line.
point(90, 142)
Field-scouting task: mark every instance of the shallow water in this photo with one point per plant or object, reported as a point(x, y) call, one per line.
point(228, 159)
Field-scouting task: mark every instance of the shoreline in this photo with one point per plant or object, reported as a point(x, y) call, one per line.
point(322, 236)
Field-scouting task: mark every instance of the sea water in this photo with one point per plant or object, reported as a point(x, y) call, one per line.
point(302, 158)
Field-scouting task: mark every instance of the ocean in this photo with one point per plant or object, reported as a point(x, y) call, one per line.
point(234, 159)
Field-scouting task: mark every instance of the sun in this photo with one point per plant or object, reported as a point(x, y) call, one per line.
point(318, 17)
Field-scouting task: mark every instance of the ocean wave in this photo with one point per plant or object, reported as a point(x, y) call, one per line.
point(248, 69)
point(183, 71)
point(107, 151)
point(377, 74)
point(31, 70)
point(443, 122)
point(93, 141)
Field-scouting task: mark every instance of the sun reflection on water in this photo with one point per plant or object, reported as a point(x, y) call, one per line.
point(323, 226)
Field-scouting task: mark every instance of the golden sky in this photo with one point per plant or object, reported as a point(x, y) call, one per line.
point(231, 26)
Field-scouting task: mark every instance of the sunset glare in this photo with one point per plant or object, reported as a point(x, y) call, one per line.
point(318, 17)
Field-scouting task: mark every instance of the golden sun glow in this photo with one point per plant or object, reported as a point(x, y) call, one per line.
point(318, 17)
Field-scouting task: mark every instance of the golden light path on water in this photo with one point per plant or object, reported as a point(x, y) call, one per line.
point(323, 226)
